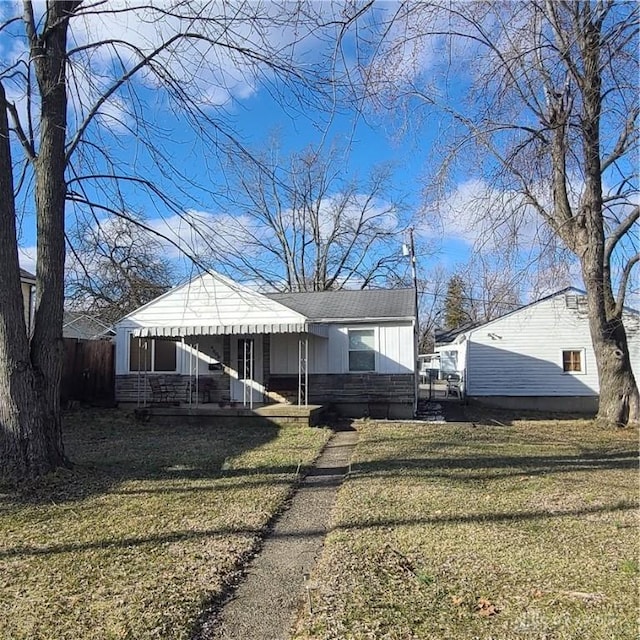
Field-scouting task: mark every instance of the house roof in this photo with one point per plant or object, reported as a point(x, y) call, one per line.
point(445, 336)
point(25, 276)
point(344, 304)
point(84, 326)
point(212, 304)
point(451, 336)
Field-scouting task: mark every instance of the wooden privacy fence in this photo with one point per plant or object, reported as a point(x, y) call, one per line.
point(89, 373)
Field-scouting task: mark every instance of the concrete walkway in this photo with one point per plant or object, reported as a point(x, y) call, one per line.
point(264, 605)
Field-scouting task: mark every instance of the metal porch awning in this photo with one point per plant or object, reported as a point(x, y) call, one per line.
point(314, 328)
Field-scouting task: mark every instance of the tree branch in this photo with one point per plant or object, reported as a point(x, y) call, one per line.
point(621, 146)
point(622, 286)
point(619, 232)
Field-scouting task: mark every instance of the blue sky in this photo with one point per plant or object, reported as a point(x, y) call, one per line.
point(411, 141)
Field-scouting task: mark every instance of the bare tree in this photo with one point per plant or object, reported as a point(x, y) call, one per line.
point(493, 286)
point(115, 267)
point(432, 291)
point(301, 225)
point(77, 83)
point(541, 101)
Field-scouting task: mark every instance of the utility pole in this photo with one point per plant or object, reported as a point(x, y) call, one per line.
point(410, 251)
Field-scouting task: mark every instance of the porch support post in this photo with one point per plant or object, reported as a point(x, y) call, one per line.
point(190, 382)
point(244, 376)
point(303, 370)
point(251, 372)
point(197, 369)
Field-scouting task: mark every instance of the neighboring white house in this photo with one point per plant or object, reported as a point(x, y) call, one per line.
point(537, 357)
point(355, 350)
point(28, 285)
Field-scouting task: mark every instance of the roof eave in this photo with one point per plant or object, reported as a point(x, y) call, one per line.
point(369, 320)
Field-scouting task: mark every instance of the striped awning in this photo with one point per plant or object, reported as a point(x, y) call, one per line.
point(313, 328)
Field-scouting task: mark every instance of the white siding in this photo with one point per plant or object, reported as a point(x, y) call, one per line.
point(26, 302)
point(200, 350)
point(284, 353)
point(208, 301)
point(394, 350)
point(521, 354)
point(632, 325)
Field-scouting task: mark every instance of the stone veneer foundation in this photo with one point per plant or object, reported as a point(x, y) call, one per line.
point(351, 394)
point(376, 395)
point(135, 388)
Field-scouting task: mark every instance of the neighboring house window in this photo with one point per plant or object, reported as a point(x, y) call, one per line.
point(362, 353)
point(152, 354)
point(572, 361)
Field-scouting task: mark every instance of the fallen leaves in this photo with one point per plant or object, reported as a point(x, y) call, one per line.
point(483, 606)
point(486, 608)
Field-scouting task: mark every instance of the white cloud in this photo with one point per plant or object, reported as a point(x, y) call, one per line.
point(481, 215)
point(225, 58)
point(204, 235)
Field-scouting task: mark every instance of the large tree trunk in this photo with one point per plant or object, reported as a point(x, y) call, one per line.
point(618, 390)
point(30, 374)
point(23, 449)
point(619, 398)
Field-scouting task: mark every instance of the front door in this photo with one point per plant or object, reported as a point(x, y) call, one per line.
point(246, 379)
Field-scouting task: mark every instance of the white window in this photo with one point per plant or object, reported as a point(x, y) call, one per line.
point(362, 351)
point(152, 354)
point(573, 361)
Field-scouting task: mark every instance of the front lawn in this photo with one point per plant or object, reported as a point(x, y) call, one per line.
point(146, 530)
point(525, 530)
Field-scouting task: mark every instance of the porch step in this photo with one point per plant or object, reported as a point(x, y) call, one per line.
point(271, 414)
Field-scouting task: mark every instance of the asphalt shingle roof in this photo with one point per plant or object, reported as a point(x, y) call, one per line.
point(25, 275)
point(347, 304)
point(77, 324)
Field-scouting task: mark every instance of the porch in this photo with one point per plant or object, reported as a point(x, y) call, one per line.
point(205, 370)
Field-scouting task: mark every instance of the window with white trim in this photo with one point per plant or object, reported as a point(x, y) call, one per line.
point(362, 351)
point(573, 361)
point(152, 354)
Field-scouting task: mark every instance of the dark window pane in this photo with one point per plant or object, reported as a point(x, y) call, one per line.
point(362, 361)
point(246, 356)
point(165, 355)
point(139, 354)
point(572, 361)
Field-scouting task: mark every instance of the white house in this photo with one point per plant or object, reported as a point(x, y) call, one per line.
point(537, 357)
point(28, 285)
point(213, 340)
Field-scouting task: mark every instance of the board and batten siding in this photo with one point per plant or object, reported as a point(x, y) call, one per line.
point(394, 346)
point(521, 354)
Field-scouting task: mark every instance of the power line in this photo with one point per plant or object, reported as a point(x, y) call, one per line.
point(513, 305)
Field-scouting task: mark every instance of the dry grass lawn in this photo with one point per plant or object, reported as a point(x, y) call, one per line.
point(148, 528)
point(525, 531)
